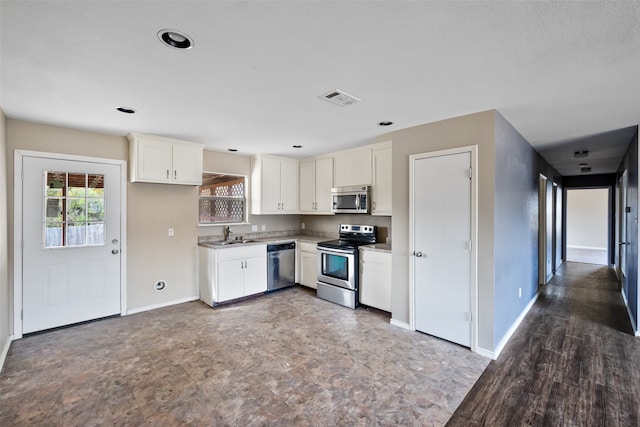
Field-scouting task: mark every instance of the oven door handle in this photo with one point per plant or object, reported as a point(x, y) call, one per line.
point(337, 251)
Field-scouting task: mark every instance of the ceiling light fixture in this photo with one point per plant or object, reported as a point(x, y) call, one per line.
point(297, 146)
point(126, 110)
point(175, 39)
point(580, 154)
point(385, 123)
point(233, 150)
point(585, 170)
point(583, 165)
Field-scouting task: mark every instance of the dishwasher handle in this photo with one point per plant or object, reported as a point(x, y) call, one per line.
point(276, 247)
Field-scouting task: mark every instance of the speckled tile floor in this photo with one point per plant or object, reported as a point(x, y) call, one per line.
point(287, 358)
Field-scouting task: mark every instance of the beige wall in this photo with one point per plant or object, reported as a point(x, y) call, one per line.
point(5, 299)
point(217, 161)
point(151, 210)
point(331, 223)
point(475, 129)
point(588, 217)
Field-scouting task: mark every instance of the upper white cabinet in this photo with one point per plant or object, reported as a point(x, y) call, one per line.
point(381, 186)
point(352, 167)
point(164, 160)
point(274, 185)
point(316, 180)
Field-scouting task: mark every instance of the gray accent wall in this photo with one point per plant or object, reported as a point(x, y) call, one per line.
point(630, 288)
point(5, 295)
point(515, 225)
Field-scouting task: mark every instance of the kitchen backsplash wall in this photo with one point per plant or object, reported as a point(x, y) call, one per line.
point(330, 223)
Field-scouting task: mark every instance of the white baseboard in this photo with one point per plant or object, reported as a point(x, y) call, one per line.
point(633, 322)
point(5, 351)
point(505, 339)
point(400, 324)
point(165, 304)
point(486, 353)
point(595, 248)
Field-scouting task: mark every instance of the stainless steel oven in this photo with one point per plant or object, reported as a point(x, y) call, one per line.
point(336, 267)
point(338, 278)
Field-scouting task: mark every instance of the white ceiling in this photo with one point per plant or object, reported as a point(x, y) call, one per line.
point(559, 72)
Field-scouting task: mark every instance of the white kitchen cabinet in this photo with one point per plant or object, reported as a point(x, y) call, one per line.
point(381, 187)
point(375, 279)
point(307, 264)
point(352, 167)
point(274, 185)
point(316, 180)
point(231, 273)
point(163, 160)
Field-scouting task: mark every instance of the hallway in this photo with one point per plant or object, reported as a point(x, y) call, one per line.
point(572, 361)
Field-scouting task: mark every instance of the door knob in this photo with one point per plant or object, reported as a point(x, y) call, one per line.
point(622, 243)
point(115, 251)
point(418, 254)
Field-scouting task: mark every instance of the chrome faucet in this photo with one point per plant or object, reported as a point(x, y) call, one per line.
point(225, 233)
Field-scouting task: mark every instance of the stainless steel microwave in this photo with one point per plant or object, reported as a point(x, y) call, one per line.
point(353, 199)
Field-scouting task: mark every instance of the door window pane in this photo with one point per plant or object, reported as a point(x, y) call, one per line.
point(74, 210)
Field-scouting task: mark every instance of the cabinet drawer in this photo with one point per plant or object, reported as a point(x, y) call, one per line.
point(242, 252)
point(374, 256)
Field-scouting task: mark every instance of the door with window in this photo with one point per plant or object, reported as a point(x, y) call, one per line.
point(71, 242)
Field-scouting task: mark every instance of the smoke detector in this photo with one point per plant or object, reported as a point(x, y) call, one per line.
point(340, 98)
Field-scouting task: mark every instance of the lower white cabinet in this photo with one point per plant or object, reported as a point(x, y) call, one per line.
point(307, 264)
point(375, 279)
point(230, 273)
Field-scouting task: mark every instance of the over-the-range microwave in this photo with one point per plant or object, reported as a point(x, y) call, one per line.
point(352, 199)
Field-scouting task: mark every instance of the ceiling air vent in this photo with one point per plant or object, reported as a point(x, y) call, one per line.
point(340, 98)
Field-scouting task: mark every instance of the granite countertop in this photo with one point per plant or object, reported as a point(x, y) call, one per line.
point(377, 247)
point(266, 240)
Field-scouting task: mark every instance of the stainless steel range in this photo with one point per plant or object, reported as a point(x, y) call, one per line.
point(338, 264)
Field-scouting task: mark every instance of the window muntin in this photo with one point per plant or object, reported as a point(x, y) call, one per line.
point(222, 199)
point(74, 210)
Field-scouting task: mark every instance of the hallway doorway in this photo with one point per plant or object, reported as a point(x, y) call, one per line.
point(588, 225)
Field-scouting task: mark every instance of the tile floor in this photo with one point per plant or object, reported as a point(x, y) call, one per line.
point(287, 358)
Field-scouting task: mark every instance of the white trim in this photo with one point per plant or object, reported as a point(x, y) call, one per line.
point(161, 305)
point(5, 351)
point(17, 226)
point(403, 325)
point(487, 353)
point(587, 247)
point(473, 151)
point(631, 319)
point(507, 336)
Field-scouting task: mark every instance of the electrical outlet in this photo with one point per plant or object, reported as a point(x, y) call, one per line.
point(254, 228)
point(170, 232)
point(519, 292)
point(264, 227)
point(302, 225)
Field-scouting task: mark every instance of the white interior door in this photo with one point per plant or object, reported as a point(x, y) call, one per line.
point(71, 260)
point(442, 246)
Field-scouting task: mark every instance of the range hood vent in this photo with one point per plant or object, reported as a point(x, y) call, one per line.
point(340, 98)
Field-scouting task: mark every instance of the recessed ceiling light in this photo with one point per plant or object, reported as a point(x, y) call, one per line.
point(233, 150)
point(385, 123)
point(126, 110)
point(176, 39)
point(583, 165)
point(580, 154)
point(585, 170)
point(297, 146)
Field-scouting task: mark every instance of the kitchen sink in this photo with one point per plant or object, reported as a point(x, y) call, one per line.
point(227, 242)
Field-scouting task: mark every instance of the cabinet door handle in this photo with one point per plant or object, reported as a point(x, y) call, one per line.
point(175, 174)
point(167, 173)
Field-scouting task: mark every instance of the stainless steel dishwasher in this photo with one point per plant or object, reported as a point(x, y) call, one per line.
point(281, 265)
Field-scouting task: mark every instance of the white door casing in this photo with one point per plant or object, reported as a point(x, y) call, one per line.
point(443, 244)
point(59, 286)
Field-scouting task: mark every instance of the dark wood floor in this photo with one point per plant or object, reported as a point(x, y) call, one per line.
point(572, 362)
